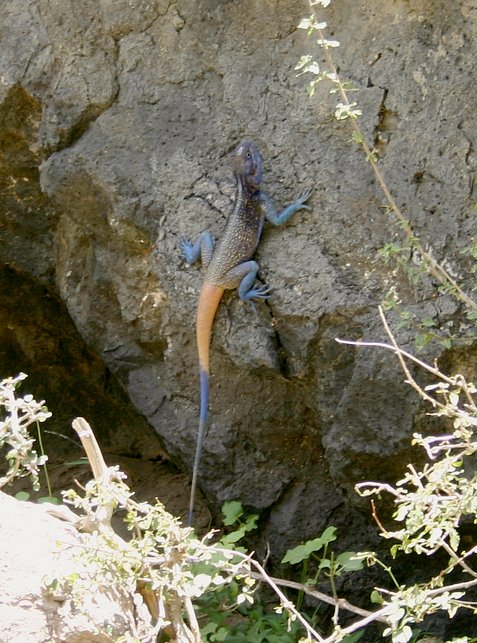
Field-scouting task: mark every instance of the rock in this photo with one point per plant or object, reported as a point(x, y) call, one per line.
point(117, 120)
point(37, 550)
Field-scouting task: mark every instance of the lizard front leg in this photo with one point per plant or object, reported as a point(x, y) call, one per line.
point(277, 218)
point(203, 248)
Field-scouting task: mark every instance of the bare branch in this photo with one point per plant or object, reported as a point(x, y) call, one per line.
point(458, 560)
point(91, 447)
point(401, 354)
point(342, 603)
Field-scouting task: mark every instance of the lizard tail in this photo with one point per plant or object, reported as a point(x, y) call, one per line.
point(204, 403)
point(209, 300)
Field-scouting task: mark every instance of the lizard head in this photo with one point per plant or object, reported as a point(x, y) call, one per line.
point(247, 164)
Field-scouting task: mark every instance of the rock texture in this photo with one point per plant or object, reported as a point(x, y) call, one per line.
point(116, 123)
point(38, 550)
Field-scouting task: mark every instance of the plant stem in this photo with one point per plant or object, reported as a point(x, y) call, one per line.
point(45, 468)
point(434, 267)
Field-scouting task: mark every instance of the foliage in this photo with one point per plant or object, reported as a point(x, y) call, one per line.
point(224, 621)
point(165, 566)
point(233, 512)
point(303, 552)
point(201, 590)
point(432, 503)
point(171, 565)
point(16, 416)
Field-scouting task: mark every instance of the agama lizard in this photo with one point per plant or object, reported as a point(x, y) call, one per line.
point(229, 265)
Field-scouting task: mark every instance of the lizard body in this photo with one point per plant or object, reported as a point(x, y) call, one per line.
point(229, 265)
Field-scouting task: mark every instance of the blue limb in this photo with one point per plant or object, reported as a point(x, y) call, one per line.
point(247, 290)
point(279, 218)
point(203, 248)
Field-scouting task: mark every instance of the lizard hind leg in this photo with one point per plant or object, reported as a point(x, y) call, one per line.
point(248, 290)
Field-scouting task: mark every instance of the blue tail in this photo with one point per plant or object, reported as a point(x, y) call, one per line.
point(204, 406)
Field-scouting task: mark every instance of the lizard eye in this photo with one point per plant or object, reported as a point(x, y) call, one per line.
point(248, 155)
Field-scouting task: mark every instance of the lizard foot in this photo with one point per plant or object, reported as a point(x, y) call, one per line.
point(300, 200)
point(259, 292)
point(187, 250)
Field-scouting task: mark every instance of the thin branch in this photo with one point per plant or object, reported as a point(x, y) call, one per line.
point(275, 583)
point(101, 472)
point(401, 354)
point(376, 518)
point(64, 513)
point(379, 615)
point(465, 387)
point(342, 603)
point(452, 588)
point(431, 369)
point(404, 367)
point(194, 625)
point(286, 602)
point(101, 520)
point(458, 560)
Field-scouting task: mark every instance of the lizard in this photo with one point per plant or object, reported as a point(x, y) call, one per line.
point(229, 265)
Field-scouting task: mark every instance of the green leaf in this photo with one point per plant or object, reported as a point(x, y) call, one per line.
point(250, 522)
point(210, 628)
point(22, 495)
point(376, 597)
point(325, 563)
point(394, 550)
point(304, 60)
point(311, 88)
point(305, 23)
point(428, 322)
point(454, 540)
point(302, 552)
point(357, 138)
point(422, 340)
point(51, 499)
point(231, 512)
point(221, 634)
point(234, 536)
point(348, 561)
point(313, 68)
point(324, 42)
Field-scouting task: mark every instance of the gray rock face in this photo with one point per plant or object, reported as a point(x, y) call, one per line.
point(117, 119)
